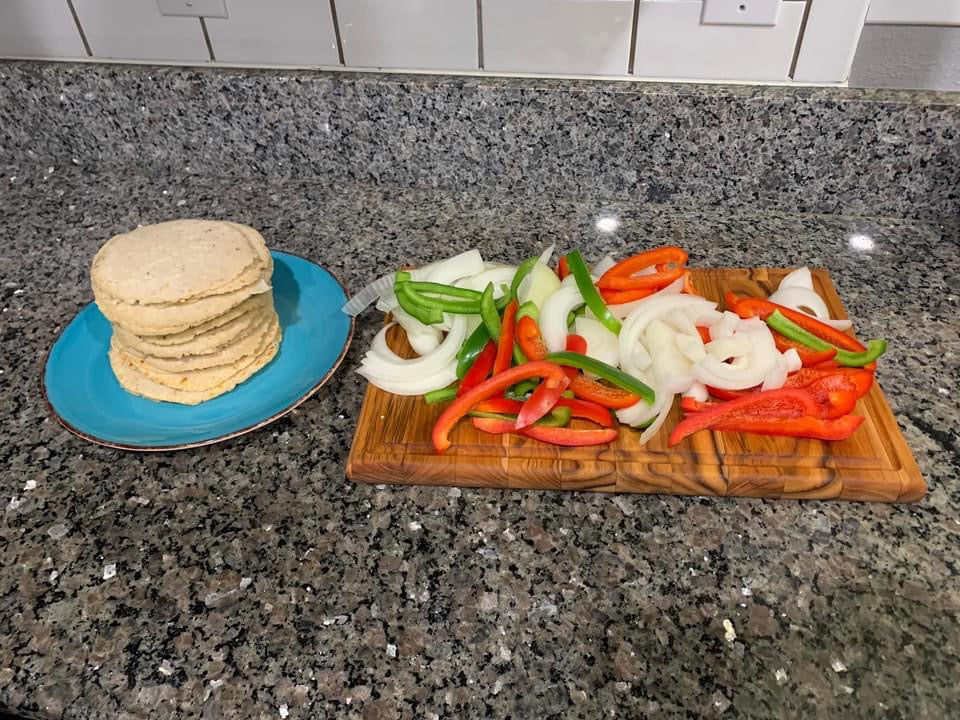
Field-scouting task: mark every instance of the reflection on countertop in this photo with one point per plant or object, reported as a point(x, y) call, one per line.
point(251, 579)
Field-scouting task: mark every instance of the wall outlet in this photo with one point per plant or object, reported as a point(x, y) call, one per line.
point(740, 12)
point(193, 8)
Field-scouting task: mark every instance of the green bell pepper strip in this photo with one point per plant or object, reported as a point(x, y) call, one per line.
point(504, 300)
point(518, 357)
point(529, 309)
point(612, 375)
point(575, 313)
point(471, 348)
point(441, 395)
point(518, 277)
point(578, 268)
point(558, 417)
point(454, 307)
point(521, 391)
point(401, 276)
point(789, 329)
point(489, 314)
point(408, 301)
point(432, 288)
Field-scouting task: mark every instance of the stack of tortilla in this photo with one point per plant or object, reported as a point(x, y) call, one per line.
point(191, 307)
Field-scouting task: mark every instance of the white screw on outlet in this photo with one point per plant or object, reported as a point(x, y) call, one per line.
point(193, 8)
point(740, 12)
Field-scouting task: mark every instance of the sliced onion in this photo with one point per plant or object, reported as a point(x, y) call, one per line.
point(698, 391)
point(723, 328)
point(681, 322)
point(501, 277)
point(440, 379)
point(650, 309)
point(777, 375)
point(800, 277)
point(729, 347)
point(792, 358)
point(540, 284)
point(670, 368)
point(601, 343)
point(448, 271)
point(750, 369)
point(547, 255)
point(807, 301)
point(623, 310)
point(422, 338)
point(553, 316)
point(691, 346)
point(382, 364)
point(665, 402)
point(606, 262)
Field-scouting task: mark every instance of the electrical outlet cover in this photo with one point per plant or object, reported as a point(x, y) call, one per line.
point(193, 8)
point(740, 12)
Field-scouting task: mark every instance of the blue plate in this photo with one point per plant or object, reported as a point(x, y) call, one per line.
point(87, 400)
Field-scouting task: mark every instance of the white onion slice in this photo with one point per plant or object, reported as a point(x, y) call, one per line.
point(448, 271)
point(422, 338)
point(792, 358)
point(622, 310)
point(636, 323)
point(729, 347)
point(691, 346)
point(540, 284)
point(382, 364)
point(500, 276)
point(553, 317)
point(440, 379)
point(777, 375)
point(723, 328)
point(800, 278)
point(601, 343)
point(698, 391)
point(547, 255)
point(665, 404)
point(606, 262)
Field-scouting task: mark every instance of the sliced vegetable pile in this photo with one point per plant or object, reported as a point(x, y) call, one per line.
point(525, 349)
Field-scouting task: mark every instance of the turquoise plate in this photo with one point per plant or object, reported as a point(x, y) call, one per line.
point(88, 401)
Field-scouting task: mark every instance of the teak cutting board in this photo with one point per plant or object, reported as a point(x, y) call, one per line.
point(392, 444)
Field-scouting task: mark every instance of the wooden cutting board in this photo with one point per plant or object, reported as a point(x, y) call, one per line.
point(392, 444)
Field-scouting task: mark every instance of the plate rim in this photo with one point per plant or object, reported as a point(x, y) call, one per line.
point(210, 441)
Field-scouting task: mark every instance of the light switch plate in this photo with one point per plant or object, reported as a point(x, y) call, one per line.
point(740, 12)
point(193, 8)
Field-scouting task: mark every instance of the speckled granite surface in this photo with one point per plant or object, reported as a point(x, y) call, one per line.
point(863, 152)
point(252, 580)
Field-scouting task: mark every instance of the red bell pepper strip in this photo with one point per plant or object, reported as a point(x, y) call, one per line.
point(804, 377)
point(835, 394)
point(480, 369)
point(704, 334)
point(653, 281)
point(555, 436)
point(486, 390)
point(563, 269)
point(619, 297)
point(577, 343)
point(771, 405)
point(530, 340)
point(806, 427)
point(660, 257)
point(747, 307)
point(609, 397)
point(578, 408)
point(504, 356)
point(692, 405)
point(541, 400)
point(808, 356)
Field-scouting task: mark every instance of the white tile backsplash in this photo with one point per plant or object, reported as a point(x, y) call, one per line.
point(574, 37)
point(135, 30)
point(672, 43)
point(415, 34)
point(279, 32)
point(39, 28)
point(829, 41)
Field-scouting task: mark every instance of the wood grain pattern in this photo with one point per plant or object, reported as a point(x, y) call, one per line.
point(392, 444)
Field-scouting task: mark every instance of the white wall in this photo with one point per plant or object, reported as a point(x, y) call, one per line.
point(811, 41)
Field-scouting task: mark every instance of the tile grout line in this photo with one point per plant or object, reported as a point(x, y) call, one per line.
point(479, 36)
point(76, 21)
point(633, 37)
point(336, 31)
point(206, 39)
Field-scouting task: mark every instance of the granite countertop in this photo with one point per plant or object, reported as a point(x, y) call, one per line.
point(252, 579)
